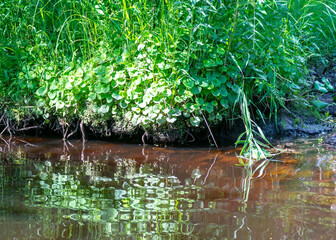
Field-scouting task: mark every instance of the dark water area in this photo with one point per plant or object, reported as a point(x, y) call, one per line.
point(55, 190)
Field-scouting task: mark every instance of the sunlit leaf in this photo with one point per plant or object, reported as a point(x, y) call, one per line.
point(41, 91)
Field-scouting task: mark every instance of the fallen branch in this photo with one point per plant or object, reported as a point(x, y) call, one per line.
point(206, 122)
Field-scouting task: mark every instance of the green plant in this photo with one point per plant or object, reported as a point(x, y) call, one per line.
point(253, 139)
point(151, 64)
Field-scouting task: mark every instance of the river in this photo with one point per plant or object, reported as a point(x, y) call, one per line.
point(52, 189)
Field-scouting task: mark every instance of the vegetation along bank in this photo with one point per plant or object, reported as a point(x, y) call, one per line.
point(162, 66)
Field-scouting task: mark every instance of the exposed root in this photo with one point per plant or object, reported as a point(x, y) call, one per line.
point(83, 152)
point(193, 138)
point(3, 130)
point(65, 129)
point(82, 131)
point(74, 131)
point(143, 138)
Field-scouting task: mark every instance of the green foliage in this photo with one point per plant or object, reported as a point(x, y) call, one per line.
point(149, 63)
point(253, 139)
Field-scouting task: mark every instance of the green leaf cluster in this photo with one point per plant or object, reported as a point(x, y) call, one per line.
point(151, 63)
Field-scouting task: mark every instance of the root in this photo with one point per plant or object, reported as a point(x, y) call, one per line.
point(82, 131)
point(143, 138)
point(193, 138)
point(3, 130)
point(65, 129)
point(74, 131)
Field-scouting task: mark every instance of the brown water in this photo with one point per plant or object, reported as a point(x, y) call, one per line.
point(53, 190)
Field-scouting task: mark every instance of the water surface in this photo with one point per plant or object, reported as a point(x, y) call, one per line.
point(52, 189)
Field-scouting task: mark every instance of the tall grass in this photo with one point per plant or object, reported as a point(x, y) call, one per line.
point(157, 64)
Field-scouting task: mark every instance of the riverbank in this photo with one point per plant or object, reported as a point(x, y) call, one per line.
point(139, 71)
point(291, 122)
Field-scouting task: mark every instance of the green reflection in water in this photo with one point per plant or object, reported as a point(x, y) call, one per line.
point(111, 200)
point(120, 198)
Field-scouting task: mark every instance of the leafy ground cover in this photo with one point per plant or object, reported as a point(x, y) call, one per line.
point(159, 65)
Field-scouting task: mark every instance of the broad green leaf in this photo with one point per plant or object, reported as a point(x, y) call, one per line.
point(196, 90)
point(216, 83)
point(40, 103)
point(223, 91)
point(31, 85)
point(116, 96)
point(216, 92)
point(104, 109)
point(234, 87)
point(195, 121)
point(41, 91)
point(158, 99)
point(204, 84)
point(200, 101)
point(52, 95)
point(189, 83)
point(92, 96)
point(109, 99)
point(233, 73)
point(177, 99)
point(167, 93)
point(232, 97)
point(221, 50)
point(328, 84)
point(160, 119)
point(171, 120)
point(48, 76)
point(59, 105)
point(142, 105)
point(100, 70)
point(319, 104)
point(95, 108)
point(208, 107)
point(320, 87)
point(208, 63)
point(31, 75)
point(105, 89)
point(222, 79)
point(175, 112)
point(54, 85)
point(123, 103)
point(121, 81)
point(224, 102)
point(68, 85)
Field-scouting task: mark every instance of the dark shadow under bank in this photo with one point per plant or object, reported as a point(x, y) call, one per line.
point(287, 126)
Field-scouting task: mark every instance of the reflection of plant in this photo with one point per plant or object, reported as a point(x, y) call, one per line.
point(83, 193)
point(248, 175)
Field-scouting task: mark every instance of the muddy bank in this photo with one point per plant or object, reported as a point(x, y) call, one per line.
point(288, 125)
